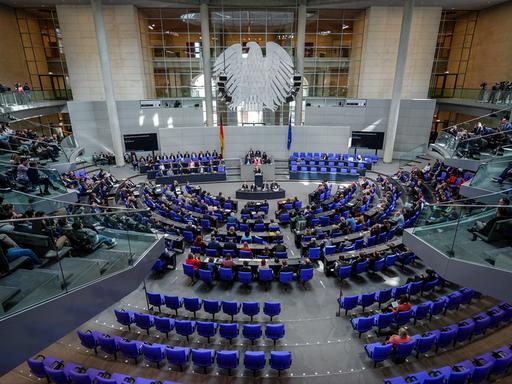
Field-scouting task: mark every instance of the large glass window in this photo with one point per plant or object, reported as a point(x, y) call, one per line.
point(42, 42)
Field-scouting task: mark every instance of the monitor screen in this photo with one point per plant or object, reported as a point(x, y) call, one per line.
point(372, 140)
point(141, 142)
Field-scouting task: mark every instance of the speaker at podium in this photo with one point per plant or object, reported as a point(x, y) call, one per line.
point(258, 177)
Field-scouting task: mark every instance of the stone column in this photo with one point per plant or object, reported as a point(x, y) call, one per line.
point(299, 59)
point(401, 59)
point(108, 85)
point(207, 66)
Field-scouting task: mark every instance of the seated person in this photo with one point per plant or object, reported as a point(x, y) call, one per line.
point(307, 264)
point(90, 237)
point(274, 186)
point(246, 248)
point(403, 305)
point(265, 253)
point(263, 264)
point(245, 267)
point(503, 212)
point(198, 242)
point(246, 238)
point(245, 187)
point(285, 267)
point(228, 262)
point(193, 260)
point(36, 179)
point(400, 338)
point(506, 173)
point(13, 251)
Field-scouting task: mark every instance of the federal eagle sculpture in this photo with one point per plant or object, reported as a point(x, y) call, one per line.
point(254, 82)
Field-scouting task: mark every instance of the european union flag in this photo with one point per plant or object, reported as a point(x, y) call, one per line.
point(289, 133)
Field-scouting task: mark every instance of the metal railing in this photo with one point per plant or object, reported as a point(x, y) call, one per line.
point(28, 98)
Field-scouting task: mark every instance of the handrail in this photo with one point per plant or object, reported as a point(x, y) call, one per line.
point(38, 166)
point(478, 118)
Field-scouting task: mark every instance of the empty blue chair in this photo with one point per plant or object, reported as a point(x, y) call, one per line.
point(399, 291)
point(245, 278)
point(173, 302)
point(206, 329)
point(231, 308)
point(212, 307)
point(378, 265)
point(445, 336)
point(88, 340)
point(189, 271)
point(329, 249)
point(403, 350)
point(108, 345)
point(344, 272)
point(361, 267)
point(314, 253)
point(403, 317)
point(305, 275)
point(227, 360)
point(280, 360)
point(502, 361)
point(482, 321)
point(465, 330)
point(124, 317)
point(348, 303)
point(362, 324)
point(414, 288)
point(274, 332)
point(211, 252)
point(228, 331)
point(164, 325)
point(144, 321)
point(60, 375)
point(421, 311)
point(284, 218)
point(425, 343)
point(480, 368)
point(80, 375)
point(38, 364)
point(252, 332)
point(383, 296)
point(226, 274)
point(372, 240)
point(438, 306)
point(203, 358)
point(457, 377)
point(454, 300)
point(154, 353)
point(391, 260)
point(184, 327)
point(496, 315)
point(366, 299)
point(192, 304)
point(254, 361)
point(156, 300)
point(378, 352)
point(271, 308)
point(282, 255)
point(467, 295)
point(206, 276)
point(383, 321)
point(358, 244)
point(285, 278)
point(250, 308)
point(266, 276)
point(131, 349)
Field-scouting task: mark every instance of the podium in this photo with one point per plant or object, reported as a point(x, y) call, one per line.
point(258, 180)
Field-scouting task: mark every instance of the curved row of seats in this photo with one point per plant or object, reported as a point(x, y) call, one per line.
point(418, 312)
point(442, 338)
point(264, 276)
point(383, 296)
point(364, 266)
point(194, 304)
point(207, 329)
point(57, 371)
point(477, 370)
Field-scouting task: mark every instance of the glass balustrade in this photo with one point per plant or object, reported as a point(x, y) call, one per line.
point(488, 173)
point(44, 257)
point(12, 99)
point(407, 157)
point(476, 94)
point(46, 152)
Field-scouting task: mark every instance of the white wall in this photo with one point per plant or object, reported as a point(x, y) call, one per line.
point(80, 47)
point(327, 129)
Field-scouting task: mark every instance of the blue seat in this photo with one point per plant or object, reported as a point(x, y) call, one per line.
point(421, 311)
point(271, 308)
point(391, 260)
point(252, 332)
point(212, 307)
point(227, 360)
point(496, 314)
point(274, 332)
point(192, 304)
point(482, 321)
point(465, 330)
point(403, 350)
point(280, 360)
point(164, 325)
point(285, 278)
point(348, 303)
point(414, 288)
point(203, 358)
point(361, 267)
point(403, 317)
point(438, 306)
point(154, 353)
point(226, 274)
point(366, 299)
point(329, 249)
point(124, 317)
point(344, 272)
point(228, 331)
point(282, 255)
point(79, 376)
point(250, 308)
point(108, 344)
point(156, 300)
point(378, 265)
point(378, 352)
point(206, 276)
point(211, 252)
point(284, 218)
point(383, 321)
point(314, 253)
point(245, 278)
point(144, 321)
point(231, 308)
point(480, 368)
point(189, 271)
point(173, 302)
point(254, 361)
point(305, 275)
point(399, 291)
point(205, 224)
point(88, 340)
point(185, 327)
point(266, 276)
point(454, 300)
point(383, 296)
point(445, 336)
point(131, 349)
point(362, 324)
point(206, 329)
point(425, 343)
point(358, 244)
point(60, 375)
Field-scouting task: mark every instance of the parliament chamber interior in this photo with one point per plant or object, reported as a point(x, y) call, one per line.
point(218, 191)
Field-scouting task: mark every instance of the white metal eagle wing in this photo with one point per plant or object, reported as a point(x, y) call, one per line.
point(255, 82)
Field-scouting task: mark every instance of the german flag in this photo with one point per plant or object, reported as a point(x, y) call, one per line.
point(221, 137)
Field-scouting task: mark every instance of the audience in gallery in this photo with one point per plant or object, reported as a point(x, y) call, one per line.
point(257, 158)
point(503, 212)
point(103, 158)
point(500, 92)
point(504, 175)
point(27, 143)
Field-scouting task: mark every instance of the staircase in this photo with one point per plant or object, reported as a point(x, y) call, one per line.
point(233, 172)
point(282, 170)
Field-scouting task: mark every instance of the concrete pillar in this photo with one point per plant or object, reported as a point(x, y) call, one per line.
point(108, 84)
point(207, 66)
point(299, 63)
point(401, 60)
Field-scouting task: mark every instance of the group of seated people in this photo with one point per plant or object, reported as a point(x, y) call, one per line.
point(103, 158)
point(503, 212)
point(257, 157)
point(206, 158)
point(27, 143)
point(97, 185)
point(26, 176)
point(504, 175)
point(273, 186)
